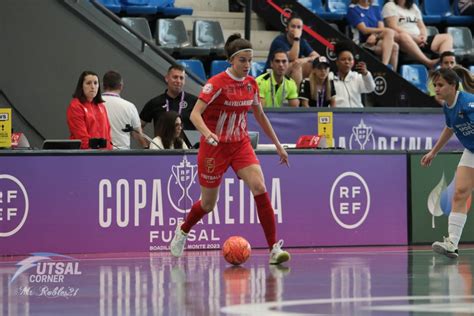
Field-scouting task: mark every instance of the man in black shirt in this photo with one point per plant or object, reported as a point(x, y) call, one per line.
point(174, 99)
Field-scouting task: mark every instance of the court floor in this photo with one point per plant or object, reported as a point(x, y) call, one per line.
point(320, 281)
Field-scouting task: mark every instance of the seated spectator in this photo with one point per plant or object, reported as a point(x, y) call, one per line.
point(275, 88)
point(174, 99)
point(87, 116)
point(120, 112)
point(318, 90)
point(349, 84)
point(447, 60)
point(405, 18)
point(170, 128)
point(370, 32)
point(299, 51)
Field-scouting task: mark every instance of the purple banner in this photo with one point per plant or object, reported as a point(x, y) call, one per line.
point(86, 204)
point(384, 131)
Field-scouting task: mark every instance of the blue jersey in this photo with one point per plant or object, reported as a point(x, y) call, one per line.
point(369, 16)
point(460, 118)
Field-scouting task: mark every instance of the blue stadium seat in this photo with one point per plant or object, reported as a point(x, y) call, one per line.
point(471, 68)
point(258, 68)
point(457, 18)
point(195, 66)
point(218, 66)
point(167, 8)
point(416, 74)
point(112, 5)
point(338, 8)
point(139, 6)
point(435, 11)
point(317, 7)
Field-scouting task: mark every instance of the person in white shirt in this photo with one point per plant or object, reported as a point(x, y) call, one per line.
point(350, 84)
point(121, 113)
point(169, 132)
point(404, 17)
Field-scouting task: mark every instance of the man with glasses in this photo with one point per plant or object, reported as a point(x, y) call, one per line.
point(300, 53)
point(276, 89)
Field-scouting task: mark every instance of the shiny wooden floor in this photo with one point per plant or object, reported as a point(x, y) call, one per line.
point(327, 281)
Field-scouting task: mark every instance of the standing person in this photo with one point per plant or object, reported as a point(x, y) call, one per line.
point(174, 99)
point(318, 90)
point(350, 84)
point(299, 51)
point(87, 116)
point(120, 112)
point(276, 88)
point(170, 129)
point(459, 115)
point(369, 31)
point(220, 114)
point(405, 18)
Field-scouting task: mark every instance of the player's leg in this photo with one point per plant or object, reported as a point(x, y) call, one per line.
point(252, 175)
point(458, 216)
point(211, 166)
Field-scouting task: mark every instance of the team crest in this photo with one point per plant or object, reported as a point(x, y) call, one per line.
point(207, 88)
point(249, 87)
point(210, 165)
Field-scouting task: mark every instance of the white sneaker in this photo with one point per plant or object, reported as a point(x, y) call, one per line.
point(277, 255)
point(178, 242)
point(446, 248)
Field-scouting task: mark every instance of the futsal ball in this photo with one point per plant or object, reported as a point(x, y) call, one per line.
point(236, 250)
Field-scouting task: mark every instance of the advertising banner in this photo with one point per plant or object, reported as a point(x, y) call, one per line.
point(82, 204)
point(363, 131)
point(431, 196)
point(5, 128)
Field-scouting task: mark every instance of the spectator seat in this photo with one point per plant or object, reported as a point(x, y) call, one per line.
point(209, 34)
point(195, 66)
point(416, 74)
point(173, 38)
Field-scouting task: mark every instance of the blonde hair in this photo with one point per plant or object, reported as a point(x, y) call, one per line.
point(314, 90)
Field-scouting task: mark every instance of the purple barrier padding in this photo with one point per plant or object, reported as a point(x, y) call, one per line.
point(394, 131)
point(87, 204)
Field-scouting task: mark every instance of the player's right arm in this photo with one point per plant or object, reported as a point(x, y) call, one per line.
point(443, 139)
point(198, 121)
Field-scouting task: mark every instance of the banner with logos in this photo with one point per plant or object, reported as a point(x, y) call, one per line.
point(432, 191)
point(363, 131)
point(86, 204)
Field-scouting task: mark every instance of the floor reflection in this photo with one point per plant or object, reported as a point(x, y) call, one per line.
point(363, 281)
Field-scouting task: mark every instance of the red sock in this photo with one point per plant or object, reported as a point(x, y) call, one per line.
point(194, 216)
point(266, 217)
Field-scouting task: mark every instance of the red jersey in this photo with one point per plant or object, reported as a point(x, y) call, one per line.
point(228, 100)
point(88, 120)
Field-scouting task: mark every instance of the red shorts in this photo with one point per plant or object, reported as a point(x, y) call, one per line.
point(213, 161)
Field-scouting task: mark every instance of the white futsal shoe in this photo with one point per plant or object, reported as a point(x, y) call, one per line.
point(178, 242)
point(446, 248)
point(277, 255)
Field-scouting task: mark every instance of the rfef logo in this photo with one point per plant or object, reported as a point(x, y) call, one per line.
point(350, 200)
point(14, 205)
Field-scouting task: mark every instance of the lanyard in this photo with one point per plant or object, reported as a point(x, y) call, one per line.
point(181, 104)
point(320, 97)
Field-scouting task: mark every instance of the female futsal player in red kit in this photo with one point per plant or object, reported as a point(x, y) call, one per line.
point(220, 115)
